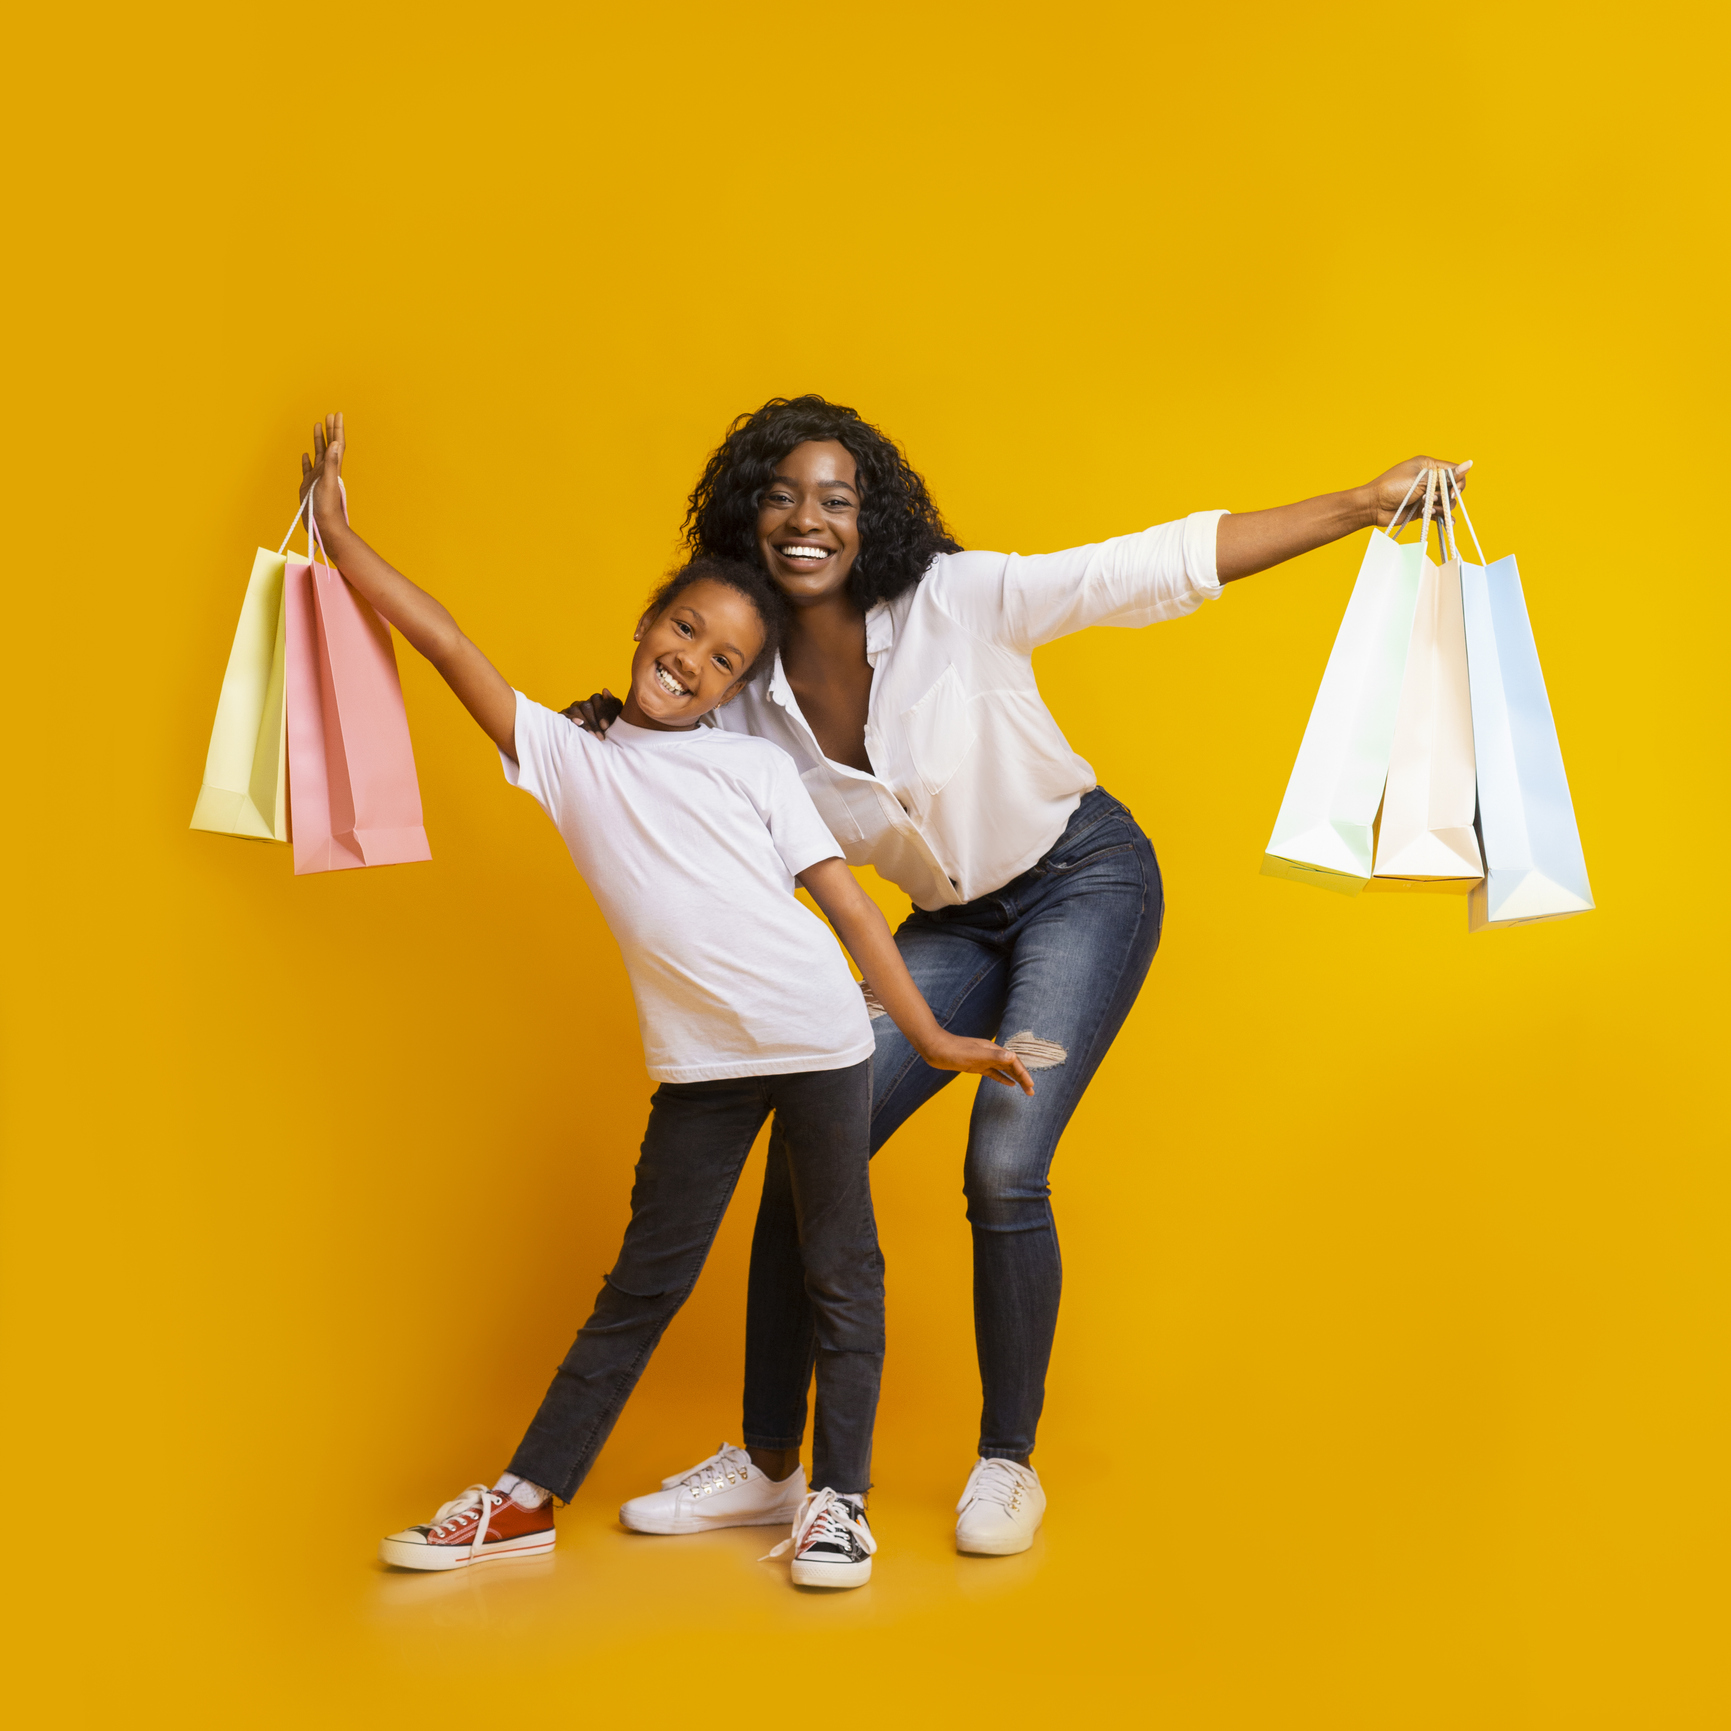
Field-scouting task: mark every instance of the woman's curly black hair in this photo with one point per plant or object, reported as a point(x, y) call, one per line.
point(900, 529)
point(743, 576)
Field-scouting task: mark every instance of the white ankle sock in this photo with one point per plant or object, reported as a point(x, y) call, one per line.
point(521, 1492)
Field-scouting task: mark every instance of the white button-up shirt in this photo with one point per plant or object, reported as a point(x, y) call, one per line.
point(974, 781)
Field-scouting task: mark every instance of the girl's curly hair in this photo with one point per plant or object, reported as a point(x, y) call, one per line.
point(900, 529)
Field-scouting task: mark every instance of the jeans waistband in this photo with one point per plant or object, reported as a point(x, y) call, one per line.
point(1097, 807)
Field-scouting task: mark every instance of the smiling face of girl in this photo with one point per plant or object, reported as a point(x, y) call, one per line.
point(808, 521)
point(692, 656)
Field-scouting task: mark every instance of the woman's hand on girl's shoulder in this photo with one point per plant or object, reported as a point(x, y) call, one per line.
point(594, 714)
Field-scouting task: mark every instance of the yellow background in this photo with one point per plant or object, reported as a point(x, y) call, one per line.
point(1390, 1390)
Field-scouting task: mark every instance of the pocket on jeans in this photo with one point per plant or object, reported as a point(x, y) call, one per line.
point(1101, 842)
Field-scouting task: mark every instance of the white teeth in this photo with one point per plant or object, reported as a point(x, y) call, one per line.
point(668, 683)
point(813, 553)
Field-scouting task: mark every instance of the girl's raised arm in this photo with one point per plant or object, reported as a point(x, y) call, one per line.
point(482, 689)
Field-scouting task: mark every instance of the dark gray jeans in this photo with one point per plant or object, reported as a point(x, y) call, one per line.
point(698, 1138)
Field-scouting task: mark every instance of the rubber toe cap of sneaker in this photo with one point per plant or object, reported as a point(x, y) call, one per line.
point(650, 1514)
point(994, 1536)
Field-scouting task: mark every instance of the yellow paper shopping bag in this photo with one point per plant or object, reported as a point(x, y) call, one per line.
point(245, 789)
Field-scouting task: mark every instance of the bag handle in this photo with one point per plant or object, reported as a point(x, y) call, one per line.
point(316, 553)
point(300, 511)
point(1424, 478)
point(1430, 496)
point(1439, 481)
point(314, 540)
point(1394, 523)
point(1460, 499)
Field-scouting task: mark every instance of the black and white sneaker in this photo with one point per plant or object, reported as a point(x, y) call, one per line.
point(831, 1543)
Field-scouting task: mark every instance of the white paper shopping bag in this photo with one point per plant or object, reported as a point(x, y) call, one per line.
point(1534, 867)
point(1426, 830)
point(1323, 834)
point(245, 790)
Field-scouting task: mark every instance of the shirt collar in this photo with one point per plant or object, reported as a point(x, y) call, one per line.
point(880, 631)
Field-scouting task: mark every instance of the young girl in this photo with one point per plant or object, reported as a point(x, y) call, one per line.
point(692, 840)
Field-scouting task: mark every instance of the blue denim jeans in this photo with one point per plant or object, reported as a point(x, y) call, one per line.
point(698, 1138)
point(1059, 952)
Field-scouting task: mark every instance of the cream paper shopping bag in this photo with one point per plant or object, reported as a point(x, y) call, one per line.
point(1426, 831)
point(1324, 833)
point(1534, 866)
point(245, 789)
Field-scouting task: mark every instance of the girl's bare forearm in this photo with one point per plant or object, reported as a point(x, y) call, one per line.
point(865, 934)
point(424, 621)
point(428, 625)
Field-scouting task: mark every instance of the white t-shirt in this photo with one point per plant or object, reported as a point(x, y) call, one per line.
point(690, 842)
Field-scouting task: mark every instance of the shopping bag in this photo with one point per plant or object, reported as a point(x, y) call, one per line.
point(1534, 867)
point(1324, 833)
point(245, 771)
point(1426, 829)
point(355, 797)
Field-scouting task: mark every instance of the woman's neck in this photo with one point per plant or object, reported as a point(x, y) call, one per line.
point(824, 658)
point(829, 631)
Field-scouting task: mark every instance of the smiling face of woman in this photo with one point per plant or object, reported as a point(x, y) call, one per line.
point(808, 521)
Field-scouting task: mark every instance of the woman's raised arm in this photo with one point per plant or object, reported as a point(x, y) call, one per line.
point(1251, 541)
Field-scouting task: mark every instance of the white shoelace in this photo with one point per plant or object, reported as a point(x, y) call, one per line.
point(824, 1516)
point(996, 1481)
point(726, 1459)
point(450, 1514)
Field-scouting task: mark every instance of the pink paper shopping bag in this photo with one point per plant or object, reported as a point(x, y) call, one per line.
point(353, 796)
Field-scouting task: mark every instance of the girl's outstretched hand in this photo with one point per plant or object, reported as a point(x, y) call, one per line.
point(594, 714)
point(978, 1058)
point(322, 474)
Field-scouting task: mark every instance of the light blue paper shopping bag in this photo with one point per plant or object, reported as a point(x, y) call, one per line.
point(1534, 867)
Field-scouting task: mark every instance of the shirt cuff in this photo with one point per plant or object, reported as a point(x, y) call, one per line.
point(1200, 531)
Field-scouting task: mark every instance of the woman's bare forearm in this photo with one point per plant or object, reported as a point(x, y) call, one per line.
point(1250, 541)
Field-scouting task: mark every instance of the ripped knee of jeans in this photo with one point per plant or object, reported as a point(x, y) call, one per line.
point(1035, 1053)
point(874, 1008)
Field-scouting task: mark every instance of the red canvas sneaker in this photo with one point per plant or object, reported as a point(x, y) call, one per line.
point(479, 1524)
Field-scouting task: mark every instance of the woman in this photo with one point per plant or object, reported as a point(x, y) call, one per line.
point(904, 693)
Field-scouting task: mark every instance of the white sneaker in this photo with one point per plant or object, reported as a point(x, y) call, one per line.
point(724, 1491)
point(1001, 1508)
point(831, 1543)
